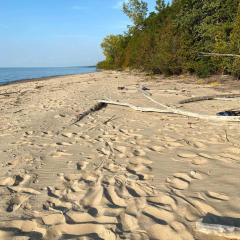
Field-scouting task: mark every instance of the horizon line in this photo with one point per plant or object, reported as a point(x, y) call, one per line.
point(52, 66)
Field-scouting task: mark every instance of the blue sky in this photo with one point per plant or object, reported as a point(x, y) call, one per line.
point(57, 32)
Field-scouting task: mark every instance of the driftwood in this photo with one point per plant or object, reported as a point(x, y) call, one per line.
point(136, 108)
point(205, 98)
point(220, 231)
point(227, 99)
point(191, 114)
point(218, 227)
point(171, 110)
point(219, 55)
point(95, 108)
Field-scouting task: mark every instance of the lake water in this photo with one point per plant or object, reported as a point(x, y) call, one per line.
point(8, 75)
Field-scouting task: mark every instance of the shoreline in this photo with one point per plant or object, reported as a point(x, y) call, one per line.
point(43, 78)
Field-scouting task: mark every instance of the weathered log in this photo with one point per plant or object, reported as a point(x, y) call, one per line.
point(136, 108)
point(95, 108)
point(171, 110)
point(191, 114)
point(206, 231)
point(219, 54)
point(205, 98)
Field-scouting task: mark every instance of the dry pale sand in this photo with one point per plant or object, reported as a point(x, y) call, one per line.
point(117, 174)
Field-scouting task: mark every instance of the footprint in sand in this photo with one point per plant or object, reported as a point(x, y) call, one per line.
point(121, 149)
point(113, 197)
point(199, 161)
point(198, 144)
point(85, 136)
point(187, 154)
point(206, 155)
point(139, 153)
point(162, 232)
point(202, 207)
point(53, 219)
point(82, 165)
point(129, 223)
point(181, 181)
point(63, 144)
point(104, 151)
point(195, 175)
point(217, 196)
point(69, 135)
point(17, 202)
point(81, 230)
point(29, 133)
point(60, 153)
point(25, 226)
point(157, 148)
point(141, 170)
point(230, 156)
point(164, 201)
point(138, 190)
point(113, 168)
point(80, 217)
point(174, 144)
point(178, 183)
point(160, 215)
point(47, 133)
point(140, 160)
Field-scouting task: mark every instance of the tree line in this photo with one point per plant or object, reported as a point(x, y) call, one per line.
point(174, 38)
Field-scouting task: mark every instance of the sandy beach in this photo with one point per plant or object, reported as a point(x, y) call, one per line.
point(117, 173)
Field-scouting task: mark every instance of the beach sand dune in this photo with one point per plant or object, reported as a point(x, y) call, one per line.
point(118, 173)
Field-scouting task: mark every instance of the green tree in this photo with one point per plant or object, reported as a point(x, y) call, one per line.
point(171, 39)
point(205, 26)
point(137, 11)
point(235, 44)
point(113, 48)
point(235, 36)
point(160, 5)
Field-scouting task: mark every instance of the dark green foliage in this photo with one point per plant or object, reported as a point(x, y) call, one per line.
point(160, 5)
point(136, 10)
point(170, 40)
point(114, 50)
point(206, 26)
point(235, 44)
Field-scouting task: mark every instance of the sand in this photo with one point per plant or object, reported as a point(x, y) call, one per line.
point(118, 173)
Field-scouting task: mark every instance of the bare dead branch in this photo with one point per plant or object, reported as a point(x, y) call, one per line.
point(97, 107)
point(206, 54)
point(171, 110)
point(205, 98)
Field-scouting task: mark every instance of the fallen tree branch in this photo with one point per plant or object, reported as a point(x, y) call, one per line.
point(136, 108)
point(171, 110)
point(227, 99)
point(219, 54)
point(205, 98)
point(191, 114)
point(218, 227)
point(95, 108)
